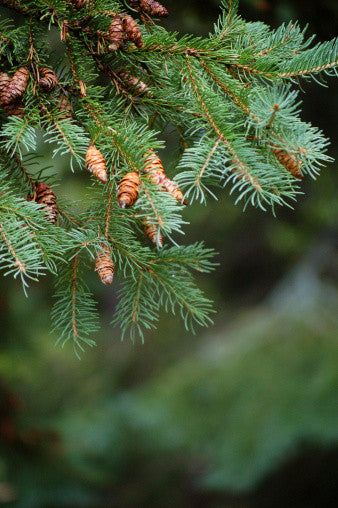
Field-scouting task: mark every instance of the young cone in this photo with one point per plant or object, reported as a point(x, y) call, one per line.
point(135, 84)
point(96, 164)
point(104, 265)
point(151, 232)
point(134, 4)
point(154, 169)
point(48, 80)
point(45, 195)
point(132, 30)
point(116, 33)
point(128, 189)
point(65, 106)
point(15, 109)
point(16, 86)
point(289, 161)
point(153, 8)
point(4, 82)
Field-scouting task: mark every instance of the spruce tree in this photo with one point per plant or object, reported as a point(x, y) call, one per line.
point(121, 81)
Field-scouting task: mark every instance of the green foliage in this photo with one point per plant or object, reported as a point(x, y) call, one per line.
point(227, 97)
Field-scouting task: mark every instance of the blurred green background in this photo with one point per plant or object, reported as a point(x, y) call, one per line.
point(243, 414)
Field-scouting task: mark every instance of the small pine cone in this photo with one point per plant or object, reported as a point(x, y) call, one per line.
point(134, 83)
point(45, 195)
point(172, 187)
point(289, 161)
point(65, 106)
point(154, 169)
point(153, 162)
point(96, 164)
point(4, 82)
point(132, 30)
point(48, 80)
point(15, 109)
point(116, 33)
point(16, 86)
point(104, 265)
point(153, 8)
point(151, 232)
point(134, 4)
point(128, 189)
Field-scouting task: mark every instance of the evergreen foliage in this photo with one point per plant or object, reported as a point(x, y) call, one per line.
point(230, 96)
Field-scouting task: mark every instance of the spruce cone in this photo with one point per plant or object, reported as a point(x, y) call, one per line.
point(4, 82)
point(153, 8)
point(133, 31)
point(104, 265)
point(116, 33)
point(64, 104)
point(96, 164)
point(45, 195)
point(154, 169)
point(128, 189)
point(48, 80)
point(172, 187)
point(151, 232)
point(134, 83)
point(289, 161)
point(134, 4)
point(16, 86)
point(15, 109)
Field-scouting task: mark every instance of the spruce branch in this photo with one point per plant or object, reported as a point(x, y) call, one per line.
point(232, 99)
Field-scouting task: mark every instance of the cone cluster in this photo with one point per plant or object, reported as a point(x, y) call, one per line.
point(124, 28)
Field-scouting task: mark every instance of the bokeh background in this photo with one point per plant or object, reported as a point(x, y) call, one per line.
point(243, 414)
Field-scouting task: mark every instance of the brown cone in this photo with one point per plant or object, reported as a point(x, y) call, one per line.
point(153, 8)
point(45, 195)
point(154, 169)
point(151, 232)
point(289, 161)
point(104, 265)
point(15, 109)
point(133, 31)
point(136, 85)
point(4, 82)
point(48, 80)
point(96, 164)
point(64, 105)
point(134, 4)
point(116, 33)
point(128, 189)
point(16, 86)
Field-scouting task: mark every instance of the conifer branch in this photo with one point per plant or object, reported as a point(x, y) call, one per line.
point(18, 263)
point(239, 167)
point(238, 124)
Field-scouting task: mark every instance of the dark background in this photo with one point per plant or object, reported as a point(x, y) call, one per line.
point(242, 414)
